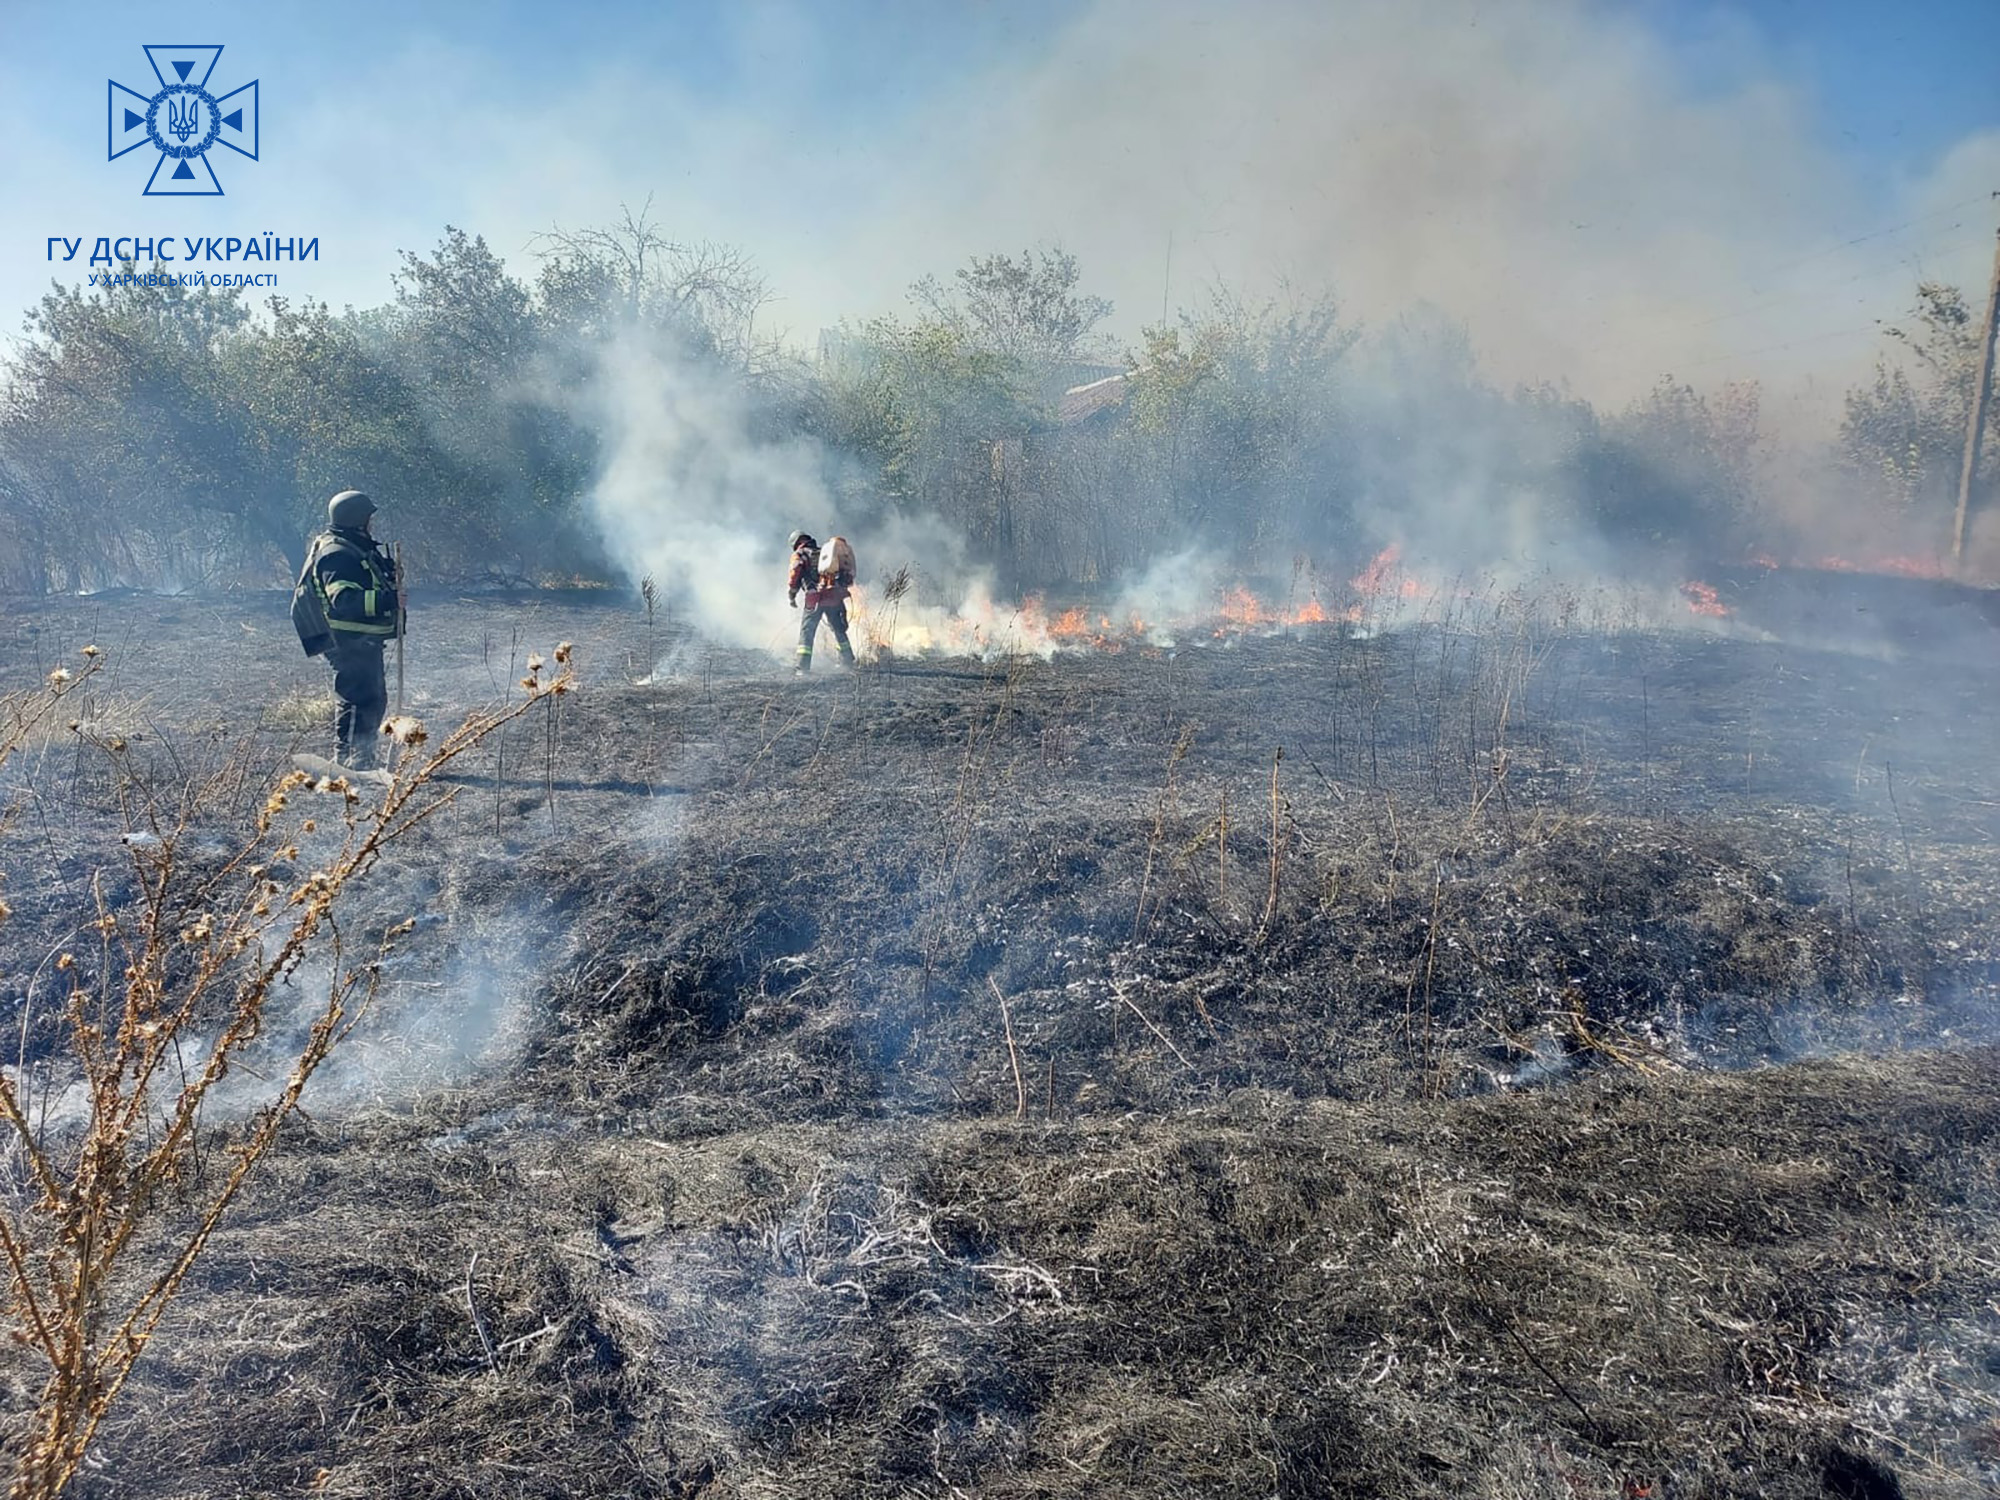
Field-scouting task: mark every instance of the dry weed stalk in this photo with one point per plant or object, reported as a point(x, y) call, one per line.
point(893, 591)
point(1182, 745)
point(877, 610)
point(1222, 855)
point(102, 1223)
point(1277, 852)
point(25, 715)
point(1127, 1000)
point(1641, 1057)
point(959, 821)
point(1013, 1052)
point(1425, 974)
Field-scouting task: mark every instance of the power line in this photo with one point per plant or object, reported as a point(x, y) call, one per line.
point(1900, 263)
point(1875, 326)
point(1873, 234)
point(1818, 338)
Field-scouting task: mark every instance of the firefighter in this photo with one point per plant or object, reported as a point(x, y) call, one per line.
point(347, 607)
point(826, 582)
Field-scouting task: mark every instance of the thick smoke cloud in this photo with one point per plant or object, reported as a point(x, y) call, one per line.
point(1543, 170)
point(1547, 170)
point(690, 497)
point(1551, 175)
point(1547, 175)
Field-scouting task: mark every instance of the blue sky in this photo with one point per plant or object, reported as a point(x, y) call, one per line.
point(1598, 189)
point(1891, 86)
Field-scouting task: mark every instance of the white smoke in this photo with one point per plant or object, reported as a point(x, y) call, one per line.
point(1556, 172)
point(692, 495)
point(689, 496)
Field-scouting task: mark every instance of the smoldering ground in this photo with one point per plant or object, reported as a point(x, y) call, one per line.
point(966, 1074)
point(1255, 1057)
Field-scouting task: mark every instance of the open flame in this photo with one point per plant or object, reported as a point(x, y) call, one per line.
point(983, 626)
point(1372, 579)
point(1382, 593)
point(1383, 578)
point(1241, 610)
point(1894, 565)
point(1702, 600)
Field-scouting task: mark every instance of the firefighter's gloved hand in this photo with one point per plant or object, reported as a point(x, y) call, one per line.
point(793, 600)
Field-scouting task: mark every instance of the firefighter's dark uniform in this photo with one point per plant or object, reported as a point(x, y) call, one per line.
point(825, 599)
point(355, 580)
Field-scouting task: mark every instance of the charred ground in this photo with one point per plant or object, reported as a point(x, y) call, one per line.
point(1564, 1067)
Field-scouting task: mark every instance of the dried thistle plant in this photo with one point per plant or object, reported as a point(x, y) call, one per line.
point(405, 730)
point(78, 1205)
point(894, 589)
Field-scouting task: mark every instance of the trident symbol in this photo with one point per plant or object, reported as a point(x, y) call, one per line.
point(181, 120)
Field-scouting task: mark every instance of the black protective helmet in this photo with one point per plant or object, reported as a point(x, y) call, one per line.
point(350, 508)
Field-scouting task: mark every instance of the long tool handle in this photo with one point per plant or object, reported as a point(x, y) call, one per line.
point(402, 620)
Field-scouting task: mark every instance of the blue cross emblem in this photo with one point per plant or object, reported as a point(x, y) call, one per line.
point(182, 120)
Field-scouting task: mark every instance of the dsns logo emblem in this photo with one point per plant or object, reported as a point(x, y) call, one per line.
point(182, 121)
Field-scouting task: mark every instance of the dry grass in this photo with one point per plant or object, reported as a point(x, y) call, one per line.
point(1259, 1296)
point(865, 1145)
point(301, 711)
point(191, 957)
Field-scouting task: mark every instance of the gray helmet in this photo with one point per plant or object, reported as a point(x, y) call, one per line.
point(797, 537)
point(350, 508)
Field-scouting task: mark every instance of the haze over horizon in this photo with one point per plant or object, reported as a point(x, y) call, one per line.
point(1602, 192)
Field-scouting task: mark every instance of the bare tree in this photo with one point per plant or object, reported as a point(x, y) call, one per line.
point(631, 269)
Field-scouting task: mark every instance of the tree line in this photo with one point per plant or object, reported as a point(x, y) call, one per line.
point(176, 437)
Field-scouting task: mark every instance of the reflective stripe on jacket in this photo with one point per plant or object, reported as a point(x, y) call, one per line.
point(356, 585)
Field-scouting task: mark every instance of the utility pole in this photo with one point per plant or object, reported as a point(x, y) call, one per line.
point(1975, 427)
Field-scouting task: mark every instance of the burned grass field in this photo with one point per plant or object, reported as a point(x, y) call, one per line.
point(1507, 1054)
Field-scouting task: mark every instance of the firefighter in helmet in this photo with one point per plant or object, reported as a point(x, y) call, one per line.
point(825, 580)
point(351, 579)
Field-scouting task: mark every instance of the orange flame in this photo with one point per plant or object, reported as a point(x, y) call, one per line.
point(1370, 580)
point(1702, 600)
point(982, 624)
point(1241, 607)
point(1901, 567)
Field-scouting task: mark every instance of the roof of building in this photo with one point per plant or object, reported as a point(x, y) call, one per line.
point(1082, 402)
